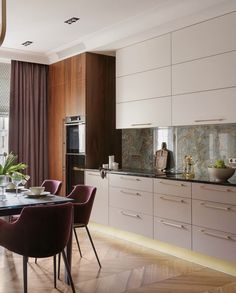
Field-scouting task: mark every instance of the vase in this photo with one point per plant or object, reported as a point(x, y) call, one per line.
point(4, 181)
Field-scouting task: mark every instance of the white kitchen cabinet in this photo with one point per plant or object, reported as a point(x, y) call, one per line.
point(100, 206)
point(131, 221)
point(214, 243)
point(209, 73)
point(208, 38)
point(144, 114)
point(131, 204)
point(209, 107)
point(143, 56)
point(213, 220)
point(173, 232)
point(145, 85)
point(172, 212)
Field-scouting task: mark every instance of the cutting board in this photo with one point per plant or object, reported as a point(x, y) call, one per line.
point(161, 159)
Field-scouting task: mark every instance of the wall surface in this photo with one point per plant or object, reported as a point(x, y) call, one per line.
point(205, 143)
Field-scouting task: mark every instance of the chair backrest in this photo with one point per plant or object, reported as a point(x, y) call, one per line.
point(51, 185)
point(41, 231)
point(84, 197)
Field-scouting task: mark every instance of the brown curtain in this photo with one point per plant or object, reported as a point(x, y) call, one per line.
point(28, 118)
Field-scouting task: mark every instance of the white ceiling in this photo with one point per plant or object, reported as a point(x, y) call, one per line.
point(104, 25)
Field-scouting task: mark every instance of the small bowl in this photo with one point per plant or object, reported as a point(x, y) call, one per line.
point(37, 190)
point(221, 174)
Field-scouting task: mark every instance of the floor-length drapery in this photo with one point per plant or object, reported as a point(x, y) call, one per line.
point(28, 118)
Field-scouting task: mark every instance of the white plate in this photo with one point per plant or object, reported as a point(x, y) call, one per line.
point(30, 194)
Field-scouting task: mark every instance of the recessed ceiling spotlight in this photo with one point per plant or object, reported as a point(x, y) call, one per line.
point(27, 43)
point(71, 20)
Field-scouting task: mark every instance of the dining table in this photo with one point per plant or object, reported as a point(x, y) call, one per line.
point(13, 205)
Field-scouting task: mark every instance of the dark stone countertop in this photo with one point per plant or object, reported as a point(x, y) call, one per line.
point(171, 176)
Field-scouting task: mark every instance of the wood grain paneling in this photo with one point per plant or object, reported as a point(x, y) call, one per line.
point(83, 85)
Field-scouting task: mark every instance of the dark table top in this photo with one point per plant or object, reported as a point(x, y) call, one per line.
point(13, 205)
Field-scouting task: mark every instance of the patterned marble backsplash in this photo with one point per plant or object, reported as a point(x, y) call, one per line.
point(205, 143)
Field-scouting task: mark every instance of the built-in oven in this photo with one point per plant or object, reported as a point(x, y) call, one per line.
point(75, 135)
point(74, 151)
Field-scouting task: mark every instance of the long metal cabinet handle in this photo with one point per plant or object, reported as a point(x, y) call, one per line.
point(130, 215)
point(178, 185)
point(130, 179)
point(131, 193)
point(172, 199)
point(226, 237)
point(93, 174)
point(172, 224)
point(216, 207)
point(215, 189)
point(209, 120)
point(140, 124)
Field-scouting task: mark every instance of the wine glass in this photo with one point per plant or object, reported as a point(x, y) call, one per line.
point(4, 181)
point(16, 179)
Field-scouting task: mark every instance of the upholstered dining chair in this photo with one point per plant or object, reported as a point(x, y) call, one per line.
point(83, 196)
point(40, 231)
point(51, 185)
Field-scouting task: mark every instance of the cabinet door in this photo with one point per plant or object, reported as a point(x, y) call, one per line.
point(172, 207)
point(204, 39)
point(209, 107)
point(146, 55)
point(129, 199)
point(100, 206)
point(172, 187)
point(214, 215)
point(131, 221)
point(144, 114)
point(214, 243)
point(210, 73)
point(144, 85)
point(172, 232)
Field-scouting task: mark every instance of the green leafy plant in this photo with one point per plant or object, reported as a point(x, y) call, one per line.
point(10, 166)
point(220, 164)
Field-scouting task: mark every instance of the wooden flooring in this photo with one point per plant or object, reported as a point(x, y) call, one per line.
point(125, 268)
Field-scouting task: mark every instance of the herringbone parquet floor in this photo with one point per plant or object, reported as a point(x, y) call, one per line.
point(126, 267)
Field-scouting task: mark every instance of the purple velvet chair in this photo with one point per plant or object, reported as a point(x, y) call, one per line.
point(83, 196)
point(51, 185)
point(40, 231)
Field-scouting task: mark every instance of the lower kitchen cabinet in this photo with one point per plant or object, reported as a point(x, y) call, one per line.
point(214, 243)
point(213, 221)
point(173, 232)
point(100, 206)
point(131, 221)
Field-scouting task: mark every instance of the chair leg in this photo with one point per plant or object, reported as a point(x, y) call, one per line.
point(25, 261)
point(77, 241)
point(35, 260)
point(90, 238)
point(68, 271)
point(55, 270)
point(59, 265)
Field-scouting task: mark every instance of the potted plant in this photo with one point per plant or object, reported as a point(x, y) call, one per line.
point(220, 172)
point(10, 167)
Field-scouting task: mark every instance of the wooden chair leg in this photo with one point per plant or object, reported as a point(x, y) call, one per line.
point(77, 241)
point(68, 271)
point(90, 238)
point(55, 270)
point(59, 265)
point(35, 260)
point(25, 261)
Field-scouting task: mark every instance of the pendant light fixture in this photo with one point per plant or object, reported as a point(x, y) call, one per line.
point(3, 21)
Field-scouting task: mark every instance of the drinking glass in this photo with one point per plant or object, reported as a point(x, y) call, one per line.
point(4, 181)
point(16, 179)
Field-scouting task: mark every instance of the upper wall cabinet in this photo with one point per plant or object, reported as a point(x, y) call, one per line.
point(144, 85)
point(204, 74)
point(144, 56)
point(209, 107)
point(204, 39)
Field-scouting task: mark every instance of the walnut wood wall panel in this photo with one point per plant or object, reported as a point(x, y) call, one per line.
point(56, 113)
point(102, 139)
point(83, 85)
